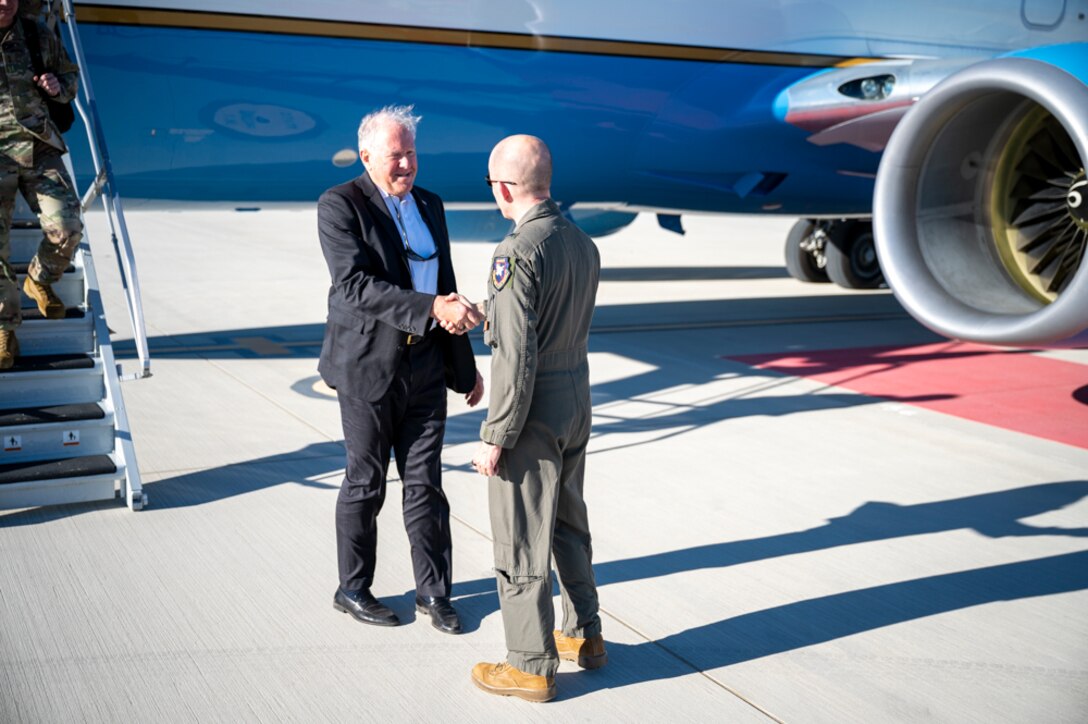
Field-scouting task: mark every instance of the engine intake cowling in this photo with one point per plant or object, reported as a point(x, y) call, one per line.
point(979, 206)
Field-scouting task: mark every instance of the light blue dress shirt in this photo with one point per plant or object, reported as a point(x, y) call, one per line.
point(414, 232)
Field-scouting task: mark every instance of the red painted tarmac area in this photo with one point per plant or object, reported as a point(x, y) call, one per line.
point(1011, 389)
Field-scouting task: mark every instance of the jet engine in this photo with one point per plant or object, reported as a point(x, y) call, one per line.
point(981, 206)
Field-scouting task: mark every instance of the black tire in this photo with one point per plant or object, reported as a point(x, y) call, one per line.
point(851, 256)
point(800, 264)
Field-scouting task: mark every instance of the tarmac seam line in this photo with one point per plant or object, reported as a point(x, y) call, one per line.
point(644, 637)
point(279, 347)
point(694, 667)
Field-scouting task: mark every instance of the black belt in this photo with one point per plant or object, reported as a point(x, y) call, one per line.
point(415, 339)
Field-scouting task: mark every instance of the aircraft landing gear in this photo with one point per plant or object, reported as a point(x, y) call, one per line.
point(841, 250)
point(805, 259)
point(851, 256)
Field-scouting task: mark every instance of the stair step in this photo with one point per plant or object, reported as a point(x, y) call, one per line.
point(62, 431)
point(51, 380)
point(50, 469)
point(24, 242)
point(69, 287)
point(57, 482)
point(72, 335)
point(23, 268)
point(33, 315)
point(56, 413)
point(50, 362)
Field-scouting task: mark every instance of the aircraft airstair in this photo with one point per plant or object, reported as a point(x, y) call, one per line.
point(65, 431)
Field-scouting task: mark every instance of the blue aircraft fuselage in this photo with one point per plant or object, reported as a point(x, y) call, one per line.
point(201, 102)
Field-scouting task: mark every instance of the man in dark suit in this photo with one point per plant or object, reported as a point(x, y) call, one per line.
point(389, 356)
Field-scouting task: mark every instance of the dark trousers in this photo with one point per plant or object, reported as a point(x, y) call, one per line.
point(410, 420)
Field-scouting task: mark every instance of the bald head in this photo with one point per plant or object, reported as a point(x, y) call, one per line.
point(526, 161)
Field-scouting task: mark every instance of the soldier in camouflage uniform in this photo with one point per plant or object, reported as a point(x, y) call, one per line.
point(39, 10)
point(542, 289)
point(30, 162)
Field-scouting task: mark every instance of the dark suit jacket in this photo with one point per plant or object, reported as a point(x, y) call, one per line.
point(372, 307)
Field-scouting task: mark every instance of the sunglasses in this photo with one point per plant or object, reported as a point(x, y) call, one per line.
point(408, 250)
point(488, 180)
point(414, 256)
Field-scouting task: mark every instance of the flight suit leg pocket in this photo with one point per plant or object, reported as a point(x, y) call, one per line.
point(515, 529)
point(491, 338)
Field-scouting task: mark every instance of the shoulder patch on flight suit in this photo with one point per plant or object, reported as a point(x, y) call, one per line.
point(502, 268)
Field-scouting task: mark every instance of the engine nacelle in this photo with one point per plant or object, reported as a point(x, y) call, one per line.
point(980, 205)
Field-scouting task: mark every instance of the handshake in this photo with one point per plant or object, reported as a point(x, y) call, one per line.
point(456, 314)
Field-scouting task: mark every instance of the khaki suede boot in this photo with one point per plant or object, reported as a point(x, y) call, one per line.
point(504, 680)
point(588, 653)
point(49, 304)
point(9, 348)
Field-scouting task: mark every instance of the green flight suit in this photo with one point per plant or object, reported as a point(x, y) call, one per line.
point(543, 285)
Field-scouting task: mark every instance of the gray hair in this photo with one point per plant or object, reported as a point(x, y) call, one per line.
point(401, 115)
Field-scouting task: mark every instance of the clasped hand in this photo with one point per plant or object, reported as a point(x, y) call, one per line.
point(456, 314)
point(48, 83)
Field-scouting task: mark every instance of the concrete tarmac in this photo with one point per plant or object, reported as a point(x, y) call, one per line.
point(768, 546)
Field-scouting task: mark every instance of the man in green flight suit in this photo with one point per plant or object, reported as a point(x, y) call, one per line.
point(541, 294)
point(30, 162)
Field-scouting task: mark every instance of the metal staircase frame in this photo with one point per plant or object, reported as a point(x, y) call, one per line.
point(127, 475)
point(131, 484)
point(104, 187)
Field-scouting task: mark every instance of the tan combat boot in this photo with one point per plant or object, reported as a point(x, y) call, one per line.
point(9, 348)
point(49, 304)
point(504, 680)
point(588, 653)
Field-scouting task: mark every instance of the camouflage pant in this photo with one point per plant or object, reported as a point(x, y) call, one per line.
point(50, 193)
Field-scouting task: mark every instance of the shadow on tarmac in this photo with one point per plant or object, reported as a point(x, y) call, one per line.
point(691, 273)
point(304, 340)
point(731, 640)
point(993, 515)
point(818, 620)
point(740, 638)
point(806, 623)
point(318, 459)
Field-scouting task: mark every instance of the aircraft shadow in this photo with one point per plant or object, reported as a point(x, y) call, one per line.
point(298, 467)
point(691, 273)
point(739, 638)
point(304, 340)
point(994, 515)
point(210, 485)
point(314, 460)
point(814, 621)
point(465, 428)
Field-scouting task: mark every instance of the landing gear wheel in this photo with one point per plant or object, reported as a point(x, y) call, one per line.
point(851, 256)
point(800, 262)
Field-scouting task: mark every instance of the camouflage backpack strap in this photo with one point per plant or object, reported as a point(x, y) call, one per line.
point(60, 113)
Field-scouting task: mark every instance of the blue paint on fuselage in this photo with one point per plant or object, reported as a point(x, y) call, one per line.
point(1071, 57)
point(199, 115)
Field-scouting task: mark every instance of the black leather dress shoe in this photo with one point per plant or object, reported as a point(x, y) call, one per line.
point(443, 617)
point(364, 607)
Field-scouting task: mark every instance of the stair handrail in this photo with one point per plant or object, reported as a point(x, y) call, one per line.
point(105, 187)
